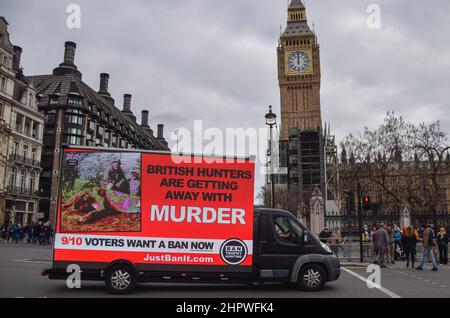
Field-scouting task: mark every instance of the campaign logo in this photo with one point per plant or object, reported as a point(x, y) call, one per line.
point(233, 251)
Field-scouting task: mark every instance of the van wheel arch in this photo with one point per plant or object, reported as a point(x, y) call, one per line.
point(123, 262)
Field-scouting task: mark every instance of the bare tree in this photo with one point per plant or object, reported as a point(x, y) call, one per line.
point(400, 162)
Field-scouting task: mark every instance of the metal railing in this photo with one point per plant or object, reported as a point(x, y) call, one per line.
point(25, 160)
point(348, 250)
point(22, 191)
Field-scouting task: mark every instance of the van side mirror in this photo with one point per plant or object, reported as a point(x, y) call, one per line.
point(305, 240)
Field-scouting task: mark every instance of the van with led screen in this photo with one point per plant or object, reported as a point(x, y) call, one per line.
point(131, 216)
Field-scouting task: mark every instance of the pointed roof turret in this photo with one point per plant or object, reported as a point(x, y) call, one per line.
point(295, 4)
point(297, 23)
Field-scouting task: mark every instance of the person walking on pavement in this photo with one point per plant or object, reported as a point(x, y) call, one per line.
point(391, 248)
point(365, 237)
point(428, 241)
point(442, 242)
point(48, 233)
point(336, 242)
point(4, 231)
point(36, 231)
point(397, 237)
point(16, 232)
point(372, 239)
point(382, 244)
point(410, 241)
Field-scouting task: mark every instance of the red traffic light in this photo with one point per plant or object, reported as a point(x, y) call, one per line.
point(366, 200)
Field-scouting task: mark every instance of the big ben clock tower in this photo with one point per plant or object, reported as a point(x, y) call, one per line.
point(299, 73)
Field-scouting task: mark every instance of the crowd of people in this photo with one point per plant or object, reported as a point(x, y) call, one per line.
point(390, 243)
point(32, 233)
point(387, 244)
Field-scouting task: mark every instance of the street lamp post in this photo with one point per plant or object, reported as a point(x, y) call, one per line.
point(360, 226)
point(271, 120)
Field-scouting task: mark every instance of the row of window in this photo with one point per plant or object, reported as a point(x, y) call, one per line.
point(27, 126)
point(25, 153)
point(22, 179)
point(19, 205)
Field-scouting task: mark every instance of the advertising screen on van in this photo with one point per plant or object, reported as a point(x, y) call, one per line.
point(153, 208)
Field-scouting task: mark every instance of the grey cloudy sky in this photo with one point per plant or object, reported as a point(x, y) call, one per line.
point(215, 60)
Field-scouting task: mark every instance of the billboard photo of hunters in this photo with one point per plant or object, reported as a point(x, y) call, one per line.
point(100, 192)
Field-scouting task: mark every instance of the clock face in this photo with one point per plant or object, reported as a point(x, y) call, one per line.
point(298, 61)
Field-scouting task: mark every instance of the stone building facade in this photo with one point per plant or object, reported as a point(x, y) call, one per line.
point(21, 138)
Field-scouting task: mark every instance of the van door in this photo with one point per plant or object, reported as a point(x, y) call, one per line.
point(264, 259)
point(285, 244)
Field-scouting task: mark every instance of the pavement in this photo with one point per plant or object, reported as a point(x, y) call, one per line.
point(21, 265)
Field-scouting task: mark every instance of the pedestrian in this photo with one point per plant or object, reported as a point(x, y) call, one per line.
point(10, 233)
point(411, 237)
point(4, 231)
point(391, 248)
point(442, 243)
point(16, 232)
point(48, 232)
point(397, 238)
point(36, 231)
point(336, 242)
point(42, 234)
point(428, 241)
point(382, 244)
point(374, 245)
point(28, 231)
point(365, 237)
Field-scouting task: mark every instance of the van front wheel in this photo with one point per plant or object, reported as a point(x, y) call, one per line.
point(311, 277)
point(120, 280)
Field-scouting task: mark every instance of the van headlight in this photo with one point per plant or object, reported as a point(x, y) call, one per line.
point(326, 247)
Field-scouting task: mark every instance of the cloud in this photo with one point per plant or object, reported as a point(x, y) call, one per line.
point(216, 60)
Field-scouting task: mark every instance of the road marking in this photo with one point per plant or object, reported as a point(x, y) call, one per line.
point(31, 261)
point(443, 286)
point(380, 288)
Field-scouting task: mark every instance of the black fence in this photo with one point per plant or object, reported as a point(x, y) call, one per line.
point(350, 227)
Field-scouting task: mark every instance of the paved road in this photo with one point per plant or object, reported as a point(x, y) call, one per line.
point(21, 264)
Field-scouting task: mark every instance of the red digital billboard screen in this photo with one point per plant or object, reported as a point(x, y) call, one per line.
point(154, 208)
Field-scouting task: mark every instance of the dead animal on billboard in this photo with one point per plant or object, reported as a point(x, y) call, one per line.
point(98, 203)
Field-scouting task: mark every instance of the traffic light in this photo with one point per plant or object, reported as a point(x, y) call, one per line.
point(366, 203)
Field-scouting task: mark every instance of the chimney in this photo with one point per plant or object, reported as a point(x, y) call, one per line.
point(160, 131)
point(68, 66)
point(16, 58)
point(126, 103)
point(104, 80)
point(69, 53)
point(145, 118)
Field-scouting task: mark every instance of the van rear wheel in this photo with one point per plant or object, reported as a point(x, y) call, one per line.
point(311, 277)
point(120, 280)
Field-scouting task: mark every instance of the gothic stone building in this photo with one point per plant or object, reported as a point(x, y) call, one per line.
point(77, 115)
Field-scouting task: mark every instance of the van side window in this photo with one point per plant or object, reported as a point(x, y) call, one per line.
point(282, 229)
point(286, 229)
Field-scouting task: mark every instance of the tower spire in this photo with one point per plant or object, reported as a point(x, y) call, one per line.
point(296, 11)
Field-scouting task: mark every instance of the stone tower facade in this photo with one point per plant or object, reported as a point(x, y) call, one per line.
point(299, 73)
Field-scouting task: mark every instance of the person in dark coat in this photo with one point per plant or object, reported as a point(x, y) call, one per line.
point(442, 242)
point(36, 232)
point(117, 180)
point(381, 240)
point(411, 237)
